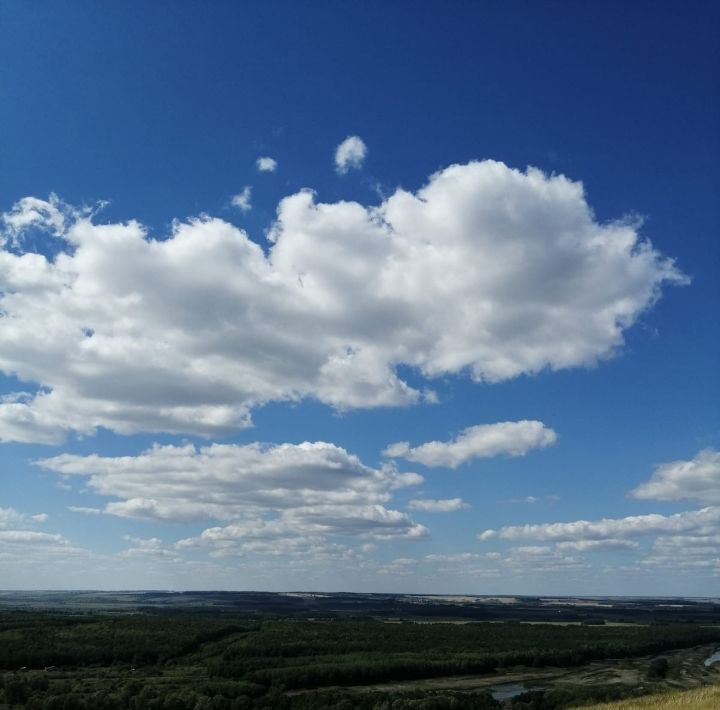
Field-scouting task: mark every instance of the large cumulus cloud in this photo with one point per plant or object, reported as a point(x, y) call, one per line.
point(485, 270)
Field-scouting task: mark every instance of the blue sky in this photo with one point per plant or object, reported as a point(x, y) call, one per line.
point(491, 226)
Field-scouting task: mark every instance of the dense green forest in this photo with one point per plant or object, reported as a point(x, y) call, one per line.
point(174, 661)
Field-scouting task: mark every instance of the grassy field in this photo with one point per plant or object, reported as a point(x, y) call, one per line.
point(707, 698)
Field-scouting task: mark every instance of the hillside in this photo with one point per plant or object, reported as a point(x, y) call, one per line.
point(707, 698)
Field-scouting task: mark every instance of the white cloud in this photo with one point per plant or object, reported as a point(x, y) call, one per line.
point(9, 517)
point(531, 500)
point(147, 543)
point(32, 559)
point(48, 215)
point(592, 545)
point(488, 534)
point(311, 490)
point(685, 542)
point(242, 199)
point(540, 558)
point(455, 557)
point(222, 481)
point(350, 154)
point(611, 528)
point(481, 441)
point(152, 547)
point(84, 510)
point(27, 551)
point(428, 505)
point(697, 479)
point(305, 530)
point(399, 567)
point(531, 551)
point(266, 164)
point(694, 552)
point(30, 536)
point(485, 269)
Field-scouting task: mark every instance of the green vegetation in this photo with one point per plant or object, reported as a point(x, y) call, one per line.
point(179, 660)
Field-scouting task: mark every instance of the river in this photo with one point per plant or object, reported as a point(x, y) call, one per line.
point(509, 690)
point(715, 658)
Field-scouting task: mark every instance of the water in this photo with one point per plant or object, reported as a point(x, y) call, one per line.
point(509, 690)
point(715, 658)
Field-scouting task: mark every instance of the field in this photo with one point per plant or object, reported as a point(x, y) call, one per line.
point(699, 699)
point(109, 652)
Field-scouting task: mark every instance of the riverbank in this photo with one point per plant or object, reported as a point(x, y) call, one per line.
point(686, 669)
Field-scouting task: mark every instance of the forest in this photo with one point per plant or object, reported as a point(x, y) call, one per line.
point(148, 659)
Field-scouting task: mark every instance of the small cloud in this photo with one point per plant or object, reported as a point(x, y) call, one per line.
point(148, 543)
point(430, 396)
point(397, 450)
point(9, 517)
point(456, 557)
point(350, 154)
point(531, 500)
point(429, 505)
point(242, 199)
point(266, 164)
point(29, 536)
point(590, 545)
point(697, 479)
point(84, 511)
point(481, 441)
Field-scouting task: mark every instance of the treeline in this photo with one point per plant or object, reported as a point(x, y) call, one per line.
point(296, 639)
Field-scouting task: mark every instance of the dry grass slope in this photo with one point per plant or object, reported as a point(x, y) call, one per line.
point(707, 698)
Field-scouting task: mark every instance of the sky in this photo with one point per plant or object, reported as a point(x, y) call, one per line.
point(394, 297)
